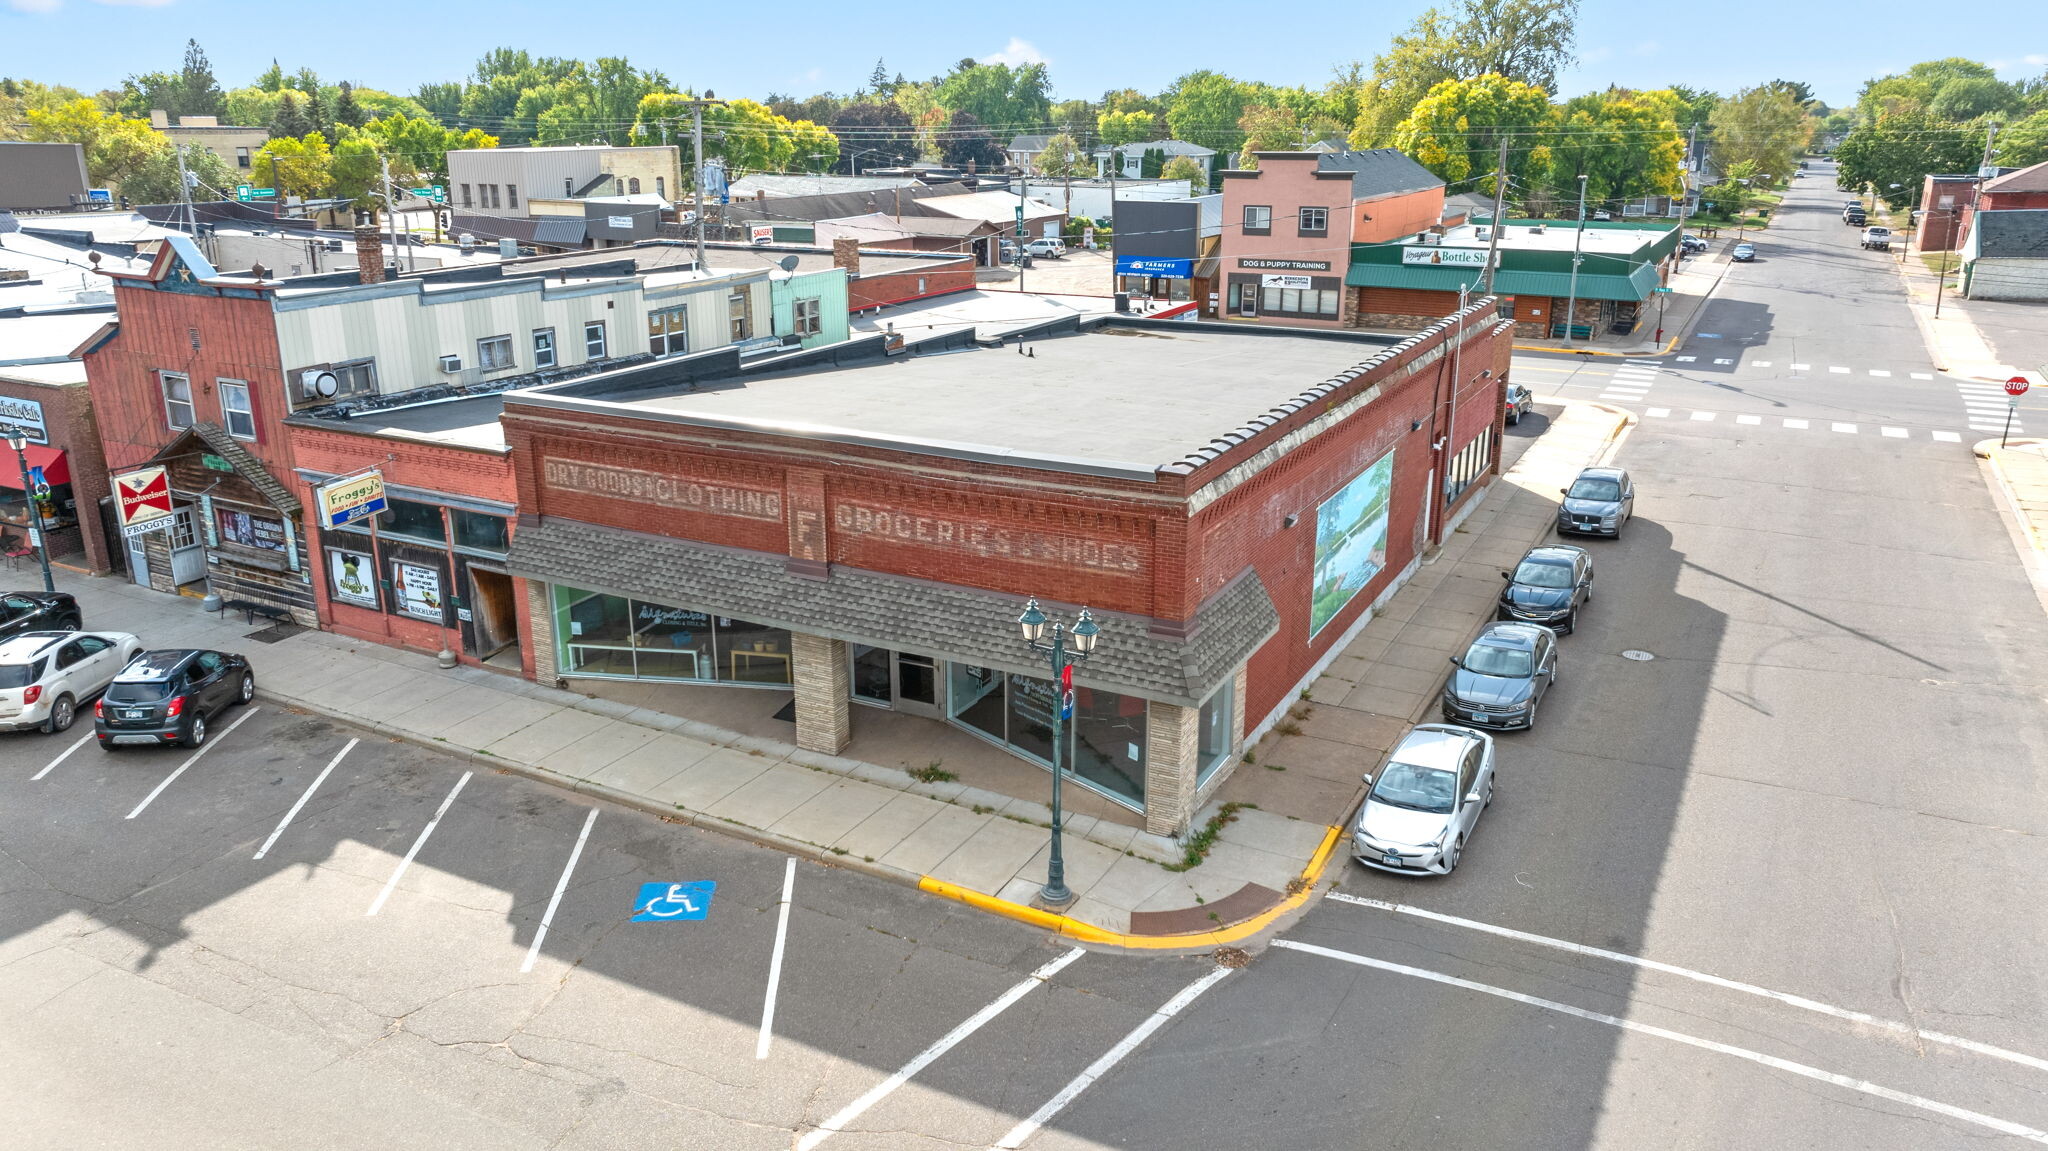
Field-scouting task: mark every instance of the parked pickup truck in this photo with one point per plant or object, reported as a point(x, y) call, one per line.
point(1877, 239)
point(1853, 215)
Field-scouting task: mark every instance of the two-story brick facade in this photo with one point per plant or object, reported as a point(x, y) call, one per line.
point(1288, 227)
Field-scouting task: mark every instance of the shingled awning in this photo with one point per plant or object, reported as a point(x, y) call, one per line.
point(965, 625)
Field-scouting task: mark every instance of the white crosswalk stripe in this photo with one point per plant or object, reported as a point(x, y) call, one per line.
point(1751, 420)
point(1724, 361)
point(1802, 367)
point(1849, 428)
point(1881, 373)
point(1838, 371)
point(1795, 423)
point(1791, 423)
point(1658, 413)
point(1920, 375)
point(1894, 433)
point(1687, 359)
point(1759, 363)
point(1947, 437)
point(1704, 417)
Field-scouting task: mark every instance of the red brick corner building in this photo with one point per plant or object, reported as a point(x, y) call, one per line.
point(1232, 503)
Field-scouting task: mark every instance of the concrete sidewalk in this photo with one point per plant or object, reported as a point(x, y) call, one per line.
point(1953, 341)
point(1273, 831)
point(2019, 471)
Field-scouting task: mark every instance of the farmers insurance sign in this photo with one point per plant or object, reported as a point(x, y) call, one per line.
point(144, 496)
point(1448, 257)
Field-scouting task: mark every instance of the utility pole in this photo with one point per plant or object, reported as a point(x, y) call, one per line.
point(1692, 139)
point(390, 209)
point(185, 192)
point(1571, 309)
point(1023, 193)
point(1500, 196)
point(697, 107)
point(1989, 137)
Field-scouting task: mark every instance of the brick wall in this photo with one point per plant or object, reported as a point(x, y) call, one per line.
point(893, 288)
point(68, 417)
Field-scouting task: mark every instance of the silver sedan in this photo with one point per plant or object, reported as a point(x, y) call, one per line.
point(1423, 806)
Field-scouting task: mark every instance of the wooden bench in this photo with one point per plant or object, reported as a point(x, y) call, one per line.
point(250, 609)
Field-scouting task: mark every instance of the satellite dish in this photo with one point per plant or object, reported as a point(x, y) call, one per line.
point(788, 263)
point(326, 384)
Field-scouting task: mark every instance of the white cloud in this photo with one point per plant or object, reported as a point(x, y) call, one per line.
point(1017, 53)
point(35, 5)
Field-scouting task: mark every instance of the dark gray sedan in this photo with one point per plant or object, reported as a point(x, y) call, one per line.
point(1598, 503)
point(1548, 587)
point(1502, 677)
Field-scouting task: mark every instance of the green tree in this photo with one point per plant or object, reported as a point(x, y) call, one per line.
point(199, 93)
point(1625, 143)
point(875, 136)
point(347, 113)
point(1455, 131)
point(1970, 97)
point(355, 170)
point(272, 79)
point(920, 104)
point(2026, 143)
point(154, 178)
point(1063, 158)
point(290, 119)
point(1204, 108)
point(1115, 129)
point(878, 81)
point(1761, 126)
point(1186, 168)
point(442, 101)
point(116, 147)
point(817, 149)
point(295, 167)
point(968, 143)
point(1527, 41)
point(1901, 148)
point(1006, 100)
point(418, 147)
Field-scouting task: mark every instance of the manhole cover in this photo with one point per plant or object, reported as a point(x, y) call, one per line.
point(1639, 656)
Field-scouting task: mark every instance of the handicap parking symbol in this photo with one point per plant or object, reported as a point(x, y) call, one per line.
point(668, 902)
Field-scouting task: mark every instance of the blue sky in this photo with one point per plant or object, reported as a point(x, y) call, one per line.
point(802, 47)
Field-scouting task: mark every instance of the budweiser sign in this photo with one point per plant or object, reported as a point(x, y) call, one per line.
point(145, 499)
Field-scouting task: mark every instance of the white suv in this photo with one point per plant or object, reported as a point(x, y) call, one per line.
point(1047, 248)
point(46, 675)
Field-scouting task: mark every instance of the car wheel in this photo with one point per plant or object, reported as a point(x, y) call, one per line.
point(1533, 702)
point(108, 745)
point(1451, 859)
point(1571, 624)
point(248, 688)
point(71, 623)
point(195, 732)
point(62, 713)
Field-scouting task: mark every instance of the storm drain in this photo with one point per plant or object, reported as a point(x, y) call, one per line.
point(1637, 655)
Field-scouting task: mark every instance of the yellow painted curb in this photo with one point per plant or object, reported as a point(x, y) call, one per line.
point(1082, 932)
point(1669, 346)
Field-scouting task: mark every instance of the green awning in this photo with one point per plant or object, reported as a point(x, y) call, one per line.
point(1636, 286)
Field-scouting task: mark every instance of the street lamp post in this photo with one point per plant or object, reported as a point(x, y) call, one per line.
point(18, 440)
point(1065, 648)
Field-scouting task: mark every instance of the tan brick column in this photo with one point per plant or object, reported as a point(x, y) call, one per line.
point(824, 715)
point(1171, 737)
point(540, 632)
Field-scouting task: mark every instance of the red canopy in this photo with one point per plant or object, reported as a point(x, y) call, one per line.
point(56, 468)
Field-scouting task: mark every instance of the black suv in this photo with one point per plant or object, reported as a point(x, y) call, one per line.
point(22, 611)
point(166, 697)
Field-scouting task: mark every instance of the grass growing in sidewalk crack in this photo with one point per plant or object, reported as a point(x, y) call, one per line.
point(1200, 842)
point(932, 773)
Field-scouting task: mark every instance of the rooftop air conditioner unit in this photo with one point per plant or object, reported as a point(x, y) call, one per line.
point(1480, 233)
point(318, 384)
point(451, 363)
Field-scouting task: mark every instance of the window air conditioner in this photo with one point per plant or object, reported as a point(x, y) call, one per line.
point(451, 363)
point(318, 384)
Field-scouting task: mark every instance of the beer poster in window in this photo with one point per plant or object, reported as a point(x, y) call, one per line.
point(416, 591)
point(352, 577)
point(249, 531)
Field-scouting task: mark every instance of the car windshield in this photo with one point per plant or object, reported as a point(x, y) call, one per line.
point(1595, 488)
point(1415, 788)
point(137, 692)
point(1535, 573)
point(18, 674)
point(1485, 659)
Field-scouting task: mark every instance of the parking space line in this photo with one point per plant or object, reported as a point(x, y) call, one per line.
point(1863, 1086)
point(1096, 1070)
point(210, 745)
point(546, 917)
point(775, 961)
point(1698, 977)
point(392, 883)
point(947, 1042)
point(317, 781)
point(61, 757)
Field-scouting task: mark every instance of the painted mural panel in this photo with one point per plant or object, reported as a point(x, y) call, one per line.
point(1351, 541)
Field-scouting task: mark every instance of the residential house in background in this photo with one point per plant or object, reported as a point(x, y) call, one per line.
point(236, 145)
point(1024, 151)
point(37, 177)
point(1288, 227)
point(491, 190)
point(1130, 158)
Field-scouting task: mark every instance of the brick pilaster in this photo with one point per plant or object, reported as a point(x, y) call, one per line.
point(540, 630)
point(824, 714)
point(1172, 735)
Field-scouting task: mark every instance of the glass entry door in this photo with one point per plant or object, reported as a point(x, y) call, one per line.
point(902, 680)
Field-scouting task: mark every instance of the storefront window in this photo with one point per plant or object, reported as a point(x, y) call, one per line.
point(1108, 748)
point(608, 635)
point(871, 674)
point(479, 532)
point(977, 698)
point(1217, 716)
point(421, 522)
point(1030, 715)
point(249, 531)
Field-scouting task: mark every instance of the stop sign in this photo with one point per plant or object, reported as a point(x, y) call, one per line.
point(2017, 386)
